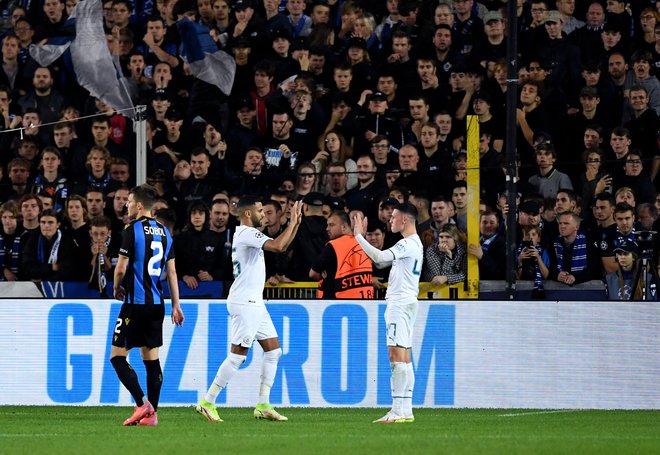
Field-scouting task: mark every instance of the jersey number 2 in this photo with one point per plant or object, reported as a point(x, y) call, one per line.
point(156, 256)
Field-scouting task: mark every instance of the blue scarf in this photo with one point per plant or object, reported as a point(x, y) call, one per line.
point(579, 262)
point(485, 244)
point(538, 277)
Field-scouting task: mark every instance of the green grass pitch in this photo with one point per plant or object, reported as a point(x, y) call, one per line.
point(98, 430)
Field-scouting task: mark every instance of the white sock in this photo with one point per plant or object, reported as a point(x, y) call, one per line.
point(268, 371)
point(408, 392)
point(399, 379)
point(229, 366)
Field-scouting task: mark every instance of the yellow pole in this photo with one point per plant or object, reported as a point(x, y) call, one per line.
point(473, 204)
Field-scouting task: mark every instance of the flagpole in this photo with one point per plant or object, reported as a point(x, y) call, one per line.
point(140, 127)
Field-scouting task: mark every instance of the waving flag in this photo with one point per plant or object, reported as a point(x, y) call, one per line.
point(92, 63)
point(207, 62)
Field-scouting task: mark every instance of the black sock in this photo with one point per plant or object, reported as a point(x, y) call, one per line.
point(154, 381)
point(128, 377)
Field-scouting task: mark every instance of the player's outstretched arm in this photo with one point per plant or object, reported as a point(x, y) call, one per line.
point(282, 242)
point(173, 283)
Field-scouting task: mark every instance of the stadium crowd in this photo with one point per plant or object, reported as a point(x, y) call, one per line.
point(353, 105)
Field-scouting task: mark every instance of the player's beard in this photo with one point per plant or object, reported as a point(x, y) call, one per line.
point(256, 222)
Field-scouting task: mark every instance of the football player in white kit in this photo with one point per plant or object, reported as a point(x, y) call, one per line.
point(406, 258)
point(249, 318)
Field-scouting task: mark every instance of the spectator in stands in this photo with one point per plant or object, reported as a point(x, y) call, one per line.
point(335, 149)
point(594, 180)
point(366, 195)
point(626, 283)
point(10, 242)
point(197, 248)
point(276, 263)
point(647, 215)
point(47, 253)
point(220, 225)
point(48, 101)
point(635, 179)
point(102, 255)
point(569, 22)
point(442, 213)
point(50, 180)
point(30, 207)
point(253, 180)
point(18, 170)
point(548, 180)
point(459, 198)
point(644, 127)
point(94, 201)
point(491, 249)
point(572, 258)
point(376, 237)
point(533, 260)
point(199, 186)
point(624, 219)
point(641, 61)
point(119, 216)
point(445, 262)
point(336, 180)
point(98, 172)
point(174, 139)
point(306, 179)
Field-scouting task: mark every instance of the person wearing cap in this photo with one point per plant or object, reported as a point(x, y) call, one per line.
point(248, 25)
point(312, 237)
point(175, 137)
point(358, 58)
point(241, 50)
point(561, 55)
point(286, 66)
point(493, 48)
point(374, 120)
point(343, 270)
point(626, 283)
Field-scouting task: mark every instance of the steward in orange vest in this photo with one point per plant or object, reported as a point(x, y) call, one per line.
point(344, 270)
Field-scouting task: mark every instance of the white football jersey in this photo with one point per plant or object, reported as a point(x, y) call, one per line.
point(247, 257)
point(403, 285)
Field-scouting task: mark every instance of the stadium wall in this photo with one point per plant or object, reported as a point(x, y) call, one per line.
point(600, 355)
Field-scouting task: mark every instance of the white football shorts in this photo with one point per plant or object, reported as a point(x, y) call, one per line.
point(249, 323)
point(400, 321)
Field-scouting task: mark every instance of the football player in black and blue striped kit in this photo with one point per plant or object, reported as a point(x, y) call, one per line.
point(145, 252)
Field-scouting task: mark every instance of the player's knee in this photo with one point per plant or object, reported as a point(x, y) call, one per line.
point(118, 361)
point(397, 367)
point(237, 360)
point(273, 355)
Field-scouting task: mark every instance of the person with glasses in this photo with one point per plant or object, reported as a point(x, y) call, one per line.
point(635, 179)
point(25, 33)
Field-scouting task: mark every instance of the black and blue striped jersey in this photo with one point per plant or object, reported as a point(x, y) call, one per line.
point(148, 246)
